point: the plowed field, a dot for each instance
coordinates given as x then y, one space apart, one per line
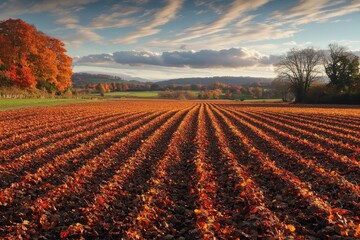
180 170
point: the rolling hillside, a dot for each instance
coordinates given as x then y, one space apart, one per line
210 80
80 80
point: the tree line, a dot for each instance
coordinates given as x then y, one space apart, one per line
300 72
215 90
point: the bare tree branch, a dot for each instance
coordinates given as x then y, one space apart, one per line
300 67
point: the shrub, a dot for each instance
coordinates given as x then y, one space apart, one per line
325 94
176 94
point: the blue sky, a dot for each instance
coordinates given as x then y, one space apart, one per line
161 39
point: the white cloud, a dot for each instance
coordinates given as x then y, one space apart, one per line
102 22
234 12
246 33
290 43
308 11
67 21
80 36
226 58
161 17
115 17
214 5
304 8
138 2
11 8
341 20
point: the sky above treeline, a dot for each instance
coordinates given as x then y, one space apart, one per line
162 39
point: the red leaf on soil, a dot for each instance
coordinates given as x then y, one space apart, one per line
64 234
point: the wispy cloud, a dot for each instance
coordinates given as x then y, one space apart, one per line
60 7
137 2
243 33
11 8
214 5
308 11
251 32
68 21
161 17
77 38
234 12
304 8
115 17
238 25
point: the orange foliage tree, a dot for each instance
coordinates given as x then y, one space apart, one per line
30 58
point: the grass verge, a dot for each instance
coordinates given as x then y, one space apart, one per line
9 104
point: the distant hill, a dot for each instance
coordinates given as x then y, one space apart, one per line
210 80
80 80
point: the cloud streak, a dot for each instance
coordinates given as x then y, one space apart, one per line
13 8
236 27
308 11
77 39
242 33
161 17
234 12
115 17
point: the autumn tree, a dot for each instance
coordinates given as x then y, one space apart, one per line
195 87
17 43
216 93
20 76
63 64
342 68
125 87
210 94
103 88
281 87
29 58
228 94
122 87
300 68
257 92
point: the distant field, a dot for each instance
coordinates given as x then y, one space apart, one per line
263 100
169 169
154 95
139 94
8 104
145 94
